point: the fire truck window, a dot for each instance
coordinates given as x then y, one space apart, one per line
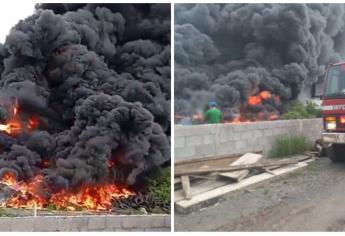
336 80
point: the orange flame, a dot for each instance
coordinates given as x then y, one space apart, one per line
265 95
14 126
257 99
29 195
247 116
33 123
254 100
9 179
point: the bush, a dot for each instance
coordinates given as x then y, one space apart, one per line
289 145
160 186
297 110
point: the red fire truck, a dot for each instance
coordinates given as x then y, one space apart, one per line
333 106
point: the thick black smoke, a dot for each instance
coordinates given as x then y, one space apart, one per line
228 52
97 76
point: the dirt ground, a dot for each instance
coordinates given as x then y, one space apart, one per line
309 199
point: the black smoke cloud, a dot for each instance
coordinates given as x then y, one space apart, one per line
98 78
228 52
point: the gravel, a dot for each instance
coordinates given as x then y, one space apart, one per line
309 199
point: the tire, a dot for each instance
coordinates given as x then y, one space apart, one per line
336 152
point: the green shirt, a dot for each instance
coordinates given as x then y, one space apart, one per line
213 116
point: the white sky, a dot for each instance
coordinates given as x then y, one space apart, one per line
10 13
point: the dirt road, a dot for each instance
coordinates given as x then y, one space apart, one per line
310 199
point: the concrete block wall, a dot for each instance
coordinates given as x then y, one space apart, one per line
196 141
95 223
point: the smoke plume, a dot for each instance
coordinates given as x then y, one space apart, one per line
229 52
97 77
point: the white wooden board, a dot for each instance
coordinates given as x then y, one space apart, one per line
246 159
236 186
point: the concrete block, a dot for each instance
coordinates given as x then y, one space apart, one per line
267 132
239 127
96 223
205 129
223 136
135 222
22 224
194 140
257 134
183 130
254 145
226 148
5 224
181 153
77 223
46 224
179 142
65 223
246 134
253 126
264 124
276 132
241 144
204 150
158 222
209 139
167 222
188 130
157 230
113 222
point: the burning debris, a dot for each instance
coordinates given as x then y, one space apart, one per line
252 59
84 104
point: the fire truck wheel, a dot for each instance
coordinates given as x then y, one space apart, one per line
336 152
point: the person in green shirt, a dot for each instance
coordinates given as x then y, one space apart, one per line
213 115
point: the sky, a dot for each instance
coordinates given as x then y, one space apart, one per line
11 14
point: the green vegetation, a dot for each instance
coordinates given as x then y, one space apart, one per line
160 186
289 145
298 110
4 213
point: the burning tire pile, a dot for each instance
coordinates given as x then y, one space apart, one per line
84 105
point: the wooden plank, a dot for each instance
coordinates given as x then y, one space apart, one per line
205 170
236 186
186 186
177 180
248 158
206 159
200 188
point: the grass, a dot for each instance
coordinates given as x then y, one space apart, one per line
298 110
160 187
289 145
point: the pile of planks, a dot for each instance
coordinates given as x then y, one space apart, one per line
202 179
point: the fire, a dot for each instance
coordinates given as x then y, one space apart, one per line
199 116
33 123
98 197
246 115
9 179
257 99
14 125
254 100
30 194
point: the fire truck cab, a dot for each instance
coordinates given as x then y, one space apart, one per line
333 106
